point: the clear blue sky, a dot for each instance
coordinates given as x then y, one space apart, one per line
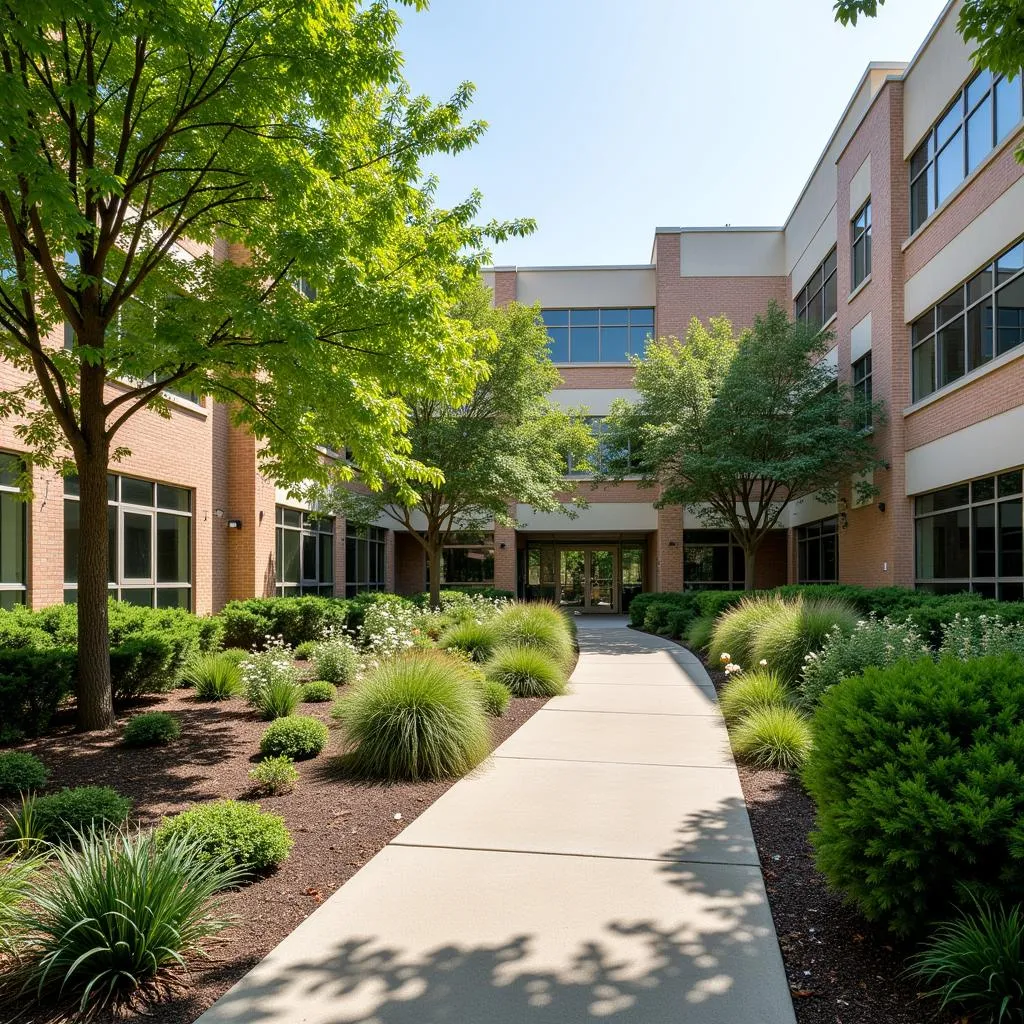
610 118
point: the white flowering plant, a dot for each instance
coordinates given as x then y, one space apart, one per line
391 627
261 670
336 658
969 637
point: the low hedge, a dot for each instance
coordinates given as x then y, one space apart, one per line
297 620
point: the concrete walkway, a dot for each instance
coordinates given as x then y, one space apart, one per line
600 867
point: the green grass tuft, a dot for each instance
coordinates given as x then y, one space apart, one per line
527 672
214 676
476 639
699 633
796 629
747 692
539 625
495 697
773 737
736 630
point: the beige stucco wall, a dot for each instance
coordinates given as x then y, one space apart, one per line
734 252
585 286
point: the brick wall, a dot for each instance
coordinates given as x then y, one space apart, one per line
669 547
771 563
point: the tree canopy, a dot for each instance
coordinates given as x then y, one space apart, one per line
737 428
505 443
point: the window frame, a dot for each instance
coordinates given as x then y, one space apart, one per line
374 541
311 525
860 235
736 559
637 318
805 298
14 462
808 534
860 376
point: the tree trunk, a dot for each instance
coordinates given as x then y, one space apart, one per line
749 563
434 556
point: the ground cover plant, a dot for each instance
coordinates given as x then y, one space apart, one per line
296 736
275 775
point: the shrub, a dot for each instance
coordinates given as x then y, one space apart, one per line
61 817
747 692
495 697
21 773
538 625
918 777
317 692
392 627
794 631
966 638
19 630
32 685
526 672
142 664
777 736
270 680
295 620
699 633
477 639
275 775
237 833
304 651
214 676
336 660
873 642
235 655
116 916
414 717
736 630
976 963
641 602
296 736
151 729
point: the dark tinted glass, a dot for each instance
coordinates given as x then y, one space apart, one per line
1010 316
173 548
1009 483
173 497
949 169
137 531
558 344
919 160
924 370
985 540
1008 106
614 344
979 285
1011 555
950 306
950 497
951 352
136 492
984 489
943 545
979 335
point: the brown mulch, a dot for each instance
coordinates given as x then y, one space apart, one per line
338 824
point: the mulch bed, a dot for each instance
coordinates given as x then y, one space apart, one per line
841 968
338 824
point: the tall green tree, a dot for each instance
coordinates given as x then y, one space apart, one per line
135 134
738 428
504 443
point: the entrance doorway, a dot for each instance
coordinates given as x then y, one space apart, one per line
587 578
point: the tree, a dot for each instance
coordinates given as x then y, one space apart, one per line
129 127
740 428
505 442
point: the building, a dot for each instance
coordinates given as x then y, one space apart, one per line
906 242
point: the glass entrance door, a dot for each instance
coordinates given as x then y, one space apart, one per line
588 579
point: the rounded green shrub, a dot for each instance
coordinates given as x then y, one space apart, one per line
526 672
539 625
304 651
117 918
236 654
214 676
231 831
296 736
151 729
776 737
61 817
21 773
918 776
746 692
737 628
794 631
275 775
318 691
495 697
476 639
415 716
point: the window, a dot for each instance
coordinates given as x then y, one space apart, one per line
597 335
861 372
304 288
984 112
13 533
364 559
968 537
149 533
599 458
467 560
816 302
712 560
861 244
304 552
981 319
817 546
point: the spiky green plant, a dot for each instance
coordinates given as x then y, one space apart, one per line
278 698
526 671
495 697
747 692
214 676
737 628
540 625
699 633
797 629
477 639
17 880
773 737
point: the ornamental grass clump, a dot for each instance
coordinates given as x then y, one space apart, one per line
270 679
296 736
918 775
495 697
526 672
776 736
539 625
214 676
746 692
111 927
21 772
699 633
151 729
476 639
736 629
417 716
17 883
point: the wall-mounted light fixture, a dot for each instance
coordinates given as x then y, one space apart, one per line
502 545
234 524
842 504
671 543
881 506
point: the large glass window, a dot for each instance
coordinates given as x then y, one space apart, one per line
304 553
984 112
599 458
467 560
981 319
816 302
712 560
860 241
13 533
861 373
598 335
364 559
149 536
817 546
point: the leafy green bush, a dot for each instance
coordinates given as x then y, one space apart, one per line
526 672
746 692
318 691
230 831
32 685
296 620
454 598
777 736
19 630
21 772
414 717
275 775
699 633
151 729
975 963
539 625
979 637
336 660
142 664
873 642
495 697
918 776
117 916
736 629
304 651
60 817
641 602
296 736
214 676
477 639
235 654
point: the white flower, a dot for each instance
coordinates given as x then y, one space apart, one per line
763 662
725 657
